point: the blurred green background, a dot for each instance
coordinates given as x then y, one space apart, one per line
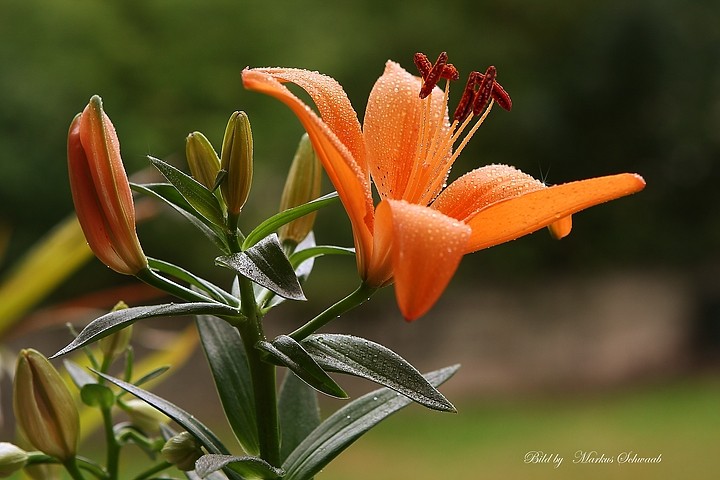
621 319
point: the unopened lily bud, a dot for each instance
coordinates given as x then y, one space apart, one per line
182 450
12 459
202 159
114 345
101 192
561 228
237 160
144 416
44 409
301 186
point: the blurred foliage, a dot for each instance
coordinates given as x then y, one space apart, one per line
598 88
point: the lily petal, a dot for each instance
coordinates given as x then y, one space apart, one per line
520 215
426 250
332 103
346 175
399 128
482 187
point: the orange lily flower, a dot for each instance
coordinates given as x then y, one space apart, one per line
101 192
420 230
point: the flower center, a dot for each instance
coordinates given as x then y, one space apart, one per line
435 142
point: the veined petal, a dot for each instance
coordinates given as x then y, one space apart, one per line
482 187
349 179
332 103
426 250
507 220
399 129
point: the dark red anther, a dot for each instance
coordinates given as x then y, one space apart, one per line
423 64
432 78
464 107
450 72
482 96
501 97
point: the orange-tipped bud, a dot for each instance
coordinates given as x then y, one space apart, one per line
302 185
44 409
101 192
236 159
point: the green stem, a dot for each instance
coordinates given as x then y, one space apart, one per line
72 467
92 467
113 448
358 297
152 471
263 376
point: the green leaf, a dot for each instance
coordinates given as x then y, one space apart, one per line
230 370
346 425
299 256
248 467
370 360
286 351
278 220
203 434
298 411
96 395
170 195
201 199
201 284
114 321
266 264
79 375
155 372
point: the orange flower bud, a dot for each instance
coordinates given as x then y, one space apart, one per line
44 409
101 192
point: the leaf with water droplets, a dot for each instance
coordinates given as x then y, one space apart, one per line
346 425
370 360
265 264
285 351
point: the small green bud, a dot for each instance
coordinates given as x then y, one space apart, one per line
237 160
12 459
202 159
301 186
44 409
144 416
115 345
182 450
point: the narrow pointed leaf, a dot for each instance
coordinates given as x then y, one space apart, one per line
346 425
370 360
299 256
302 272
229 367
202 433
286 351
79 375
201 284
298 411
278 220
266 264
201 199
154 373
250 467
170 195
114 321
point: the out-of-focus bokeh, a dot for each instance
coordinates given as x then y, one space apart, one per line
608 340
